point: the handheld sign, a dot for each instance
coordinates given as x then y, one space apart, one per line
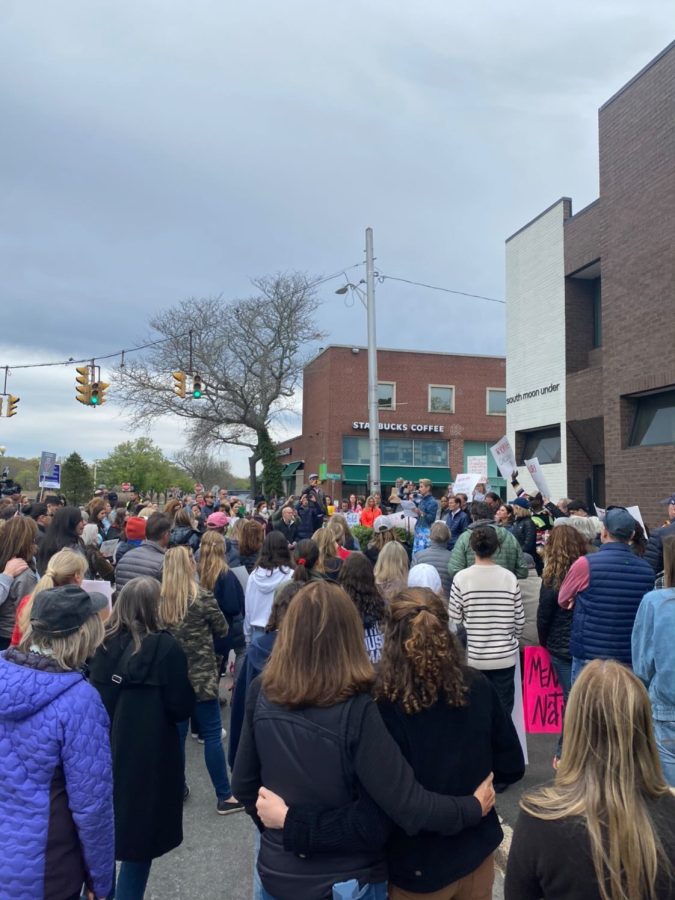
466 483
505 458
543 702
537 475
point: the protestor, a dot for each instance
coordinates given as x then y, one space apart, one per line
348 543
354 505
504 517
485 598
13 568
391 570
305 558
257 655
184 532
311 712
274 567
653 655
18 541
141 674
605 828
119 517
654 551
605 590
64 532
192 615
133 535
437 554
99 566
358 581
494 501
457 520
171 507
97 514
524 530
427 507
383 534
208 507
40 514
65 567
638 543
56 811
215 576
251 539
508 554
329 562
370 512
148 558
233 538
584 525
288 525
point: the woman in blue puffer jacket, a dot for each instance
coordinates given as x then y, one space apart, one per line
56 812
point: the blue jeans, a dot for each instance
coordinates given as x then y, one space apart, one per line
577 665
131 882
664 733
207 715
350 890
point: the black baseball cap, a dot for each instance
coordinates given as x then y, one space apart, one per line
60 611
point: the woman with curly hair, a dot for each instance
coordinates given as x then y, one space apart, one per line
357 579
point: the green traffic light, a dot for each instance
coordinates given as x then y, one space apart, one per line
94 401
196 394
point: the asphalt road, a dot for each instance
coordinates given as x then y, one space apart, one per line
215 861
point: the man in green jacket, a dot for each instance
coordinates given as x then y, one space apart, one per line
509 555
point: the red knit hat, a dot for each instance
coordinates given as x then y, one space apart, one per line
135 528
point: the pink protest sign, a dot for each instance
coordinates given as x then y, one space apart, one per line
542 693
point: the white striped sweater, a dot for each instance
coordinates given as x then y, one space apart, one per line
487 601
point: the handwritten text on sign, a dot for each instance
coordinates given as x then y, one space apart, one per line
542 693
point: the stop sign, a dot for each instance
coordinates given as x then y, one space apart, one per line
126 486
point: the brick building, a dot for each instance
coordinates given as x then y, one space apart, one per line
594 292
437 411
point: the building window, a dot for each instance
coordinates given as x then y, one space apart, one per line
431 453
356 451
396 452
441 398
544 443
386 394
496 402
654 421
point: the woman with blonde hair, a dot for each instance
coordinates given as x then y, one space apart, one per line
377 542
56 805
215 576
192 615
370 512
609 810
391 570
329 561
171 507
65 567
19 541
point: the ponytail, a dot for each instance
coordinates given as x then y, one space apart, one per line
306 556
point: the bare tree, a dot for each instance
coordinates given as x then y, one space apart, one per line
204 466
250 354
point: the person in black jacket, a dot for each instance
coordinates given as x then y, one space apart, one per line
314 729
524 530
310 516
141 674
184 531
455 709
288 525
215 576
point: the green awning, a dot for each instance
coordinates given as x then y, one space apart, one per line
389 474
291 468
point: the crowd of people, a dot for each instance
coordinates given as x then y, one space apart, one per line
373 683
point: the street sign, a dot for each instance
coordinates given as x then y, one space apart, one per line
53 480
332 476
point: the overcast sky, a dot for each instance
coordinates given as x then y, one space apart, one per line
156 150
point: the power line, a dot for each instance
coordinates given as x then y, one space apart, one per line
126 350
434 287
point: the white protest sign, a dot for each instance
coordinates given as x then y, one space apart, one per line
477 465
518 714
352 518
108 548
505 458
537 475
636 514
100 587
600 513
466 483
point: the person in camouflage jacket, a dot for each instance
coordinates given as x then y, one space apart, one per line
509 555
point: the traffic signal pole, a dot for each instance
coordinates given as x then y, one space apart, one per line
373 408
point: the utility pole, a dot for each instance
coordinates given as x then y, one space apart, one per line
373 408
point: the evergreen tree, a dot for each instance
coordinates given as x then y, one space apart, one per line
77 480
271 474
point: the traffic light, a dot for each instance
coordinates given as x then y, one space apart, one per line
180 386
83 387
197 387
11 405
98 390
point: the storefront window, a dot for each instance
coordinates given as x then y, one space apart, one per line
356 451
431 453
496 402
386 394
396 452
441 398
654 421
544 444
